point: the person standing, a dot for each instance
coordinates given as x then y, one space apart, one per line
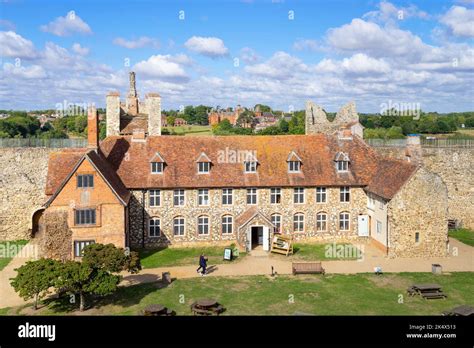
201 262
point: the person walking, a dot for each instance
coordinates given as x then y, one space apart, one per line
201 262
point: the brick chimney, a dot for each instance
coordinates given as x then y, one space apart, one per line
92 128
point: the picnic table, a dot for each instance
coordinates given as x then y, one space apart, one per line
463 310
427 291
206 307
157 310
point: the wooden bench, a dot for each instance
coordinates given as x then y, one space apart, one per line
307 268
432 295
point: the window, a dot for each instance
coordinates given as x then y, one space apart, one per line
275 195
252 196
298 195
417 237
276 220
203 197
156 167
203 167
381 204
370 202
80 245
155 198
227 196
294 166
345 195
321 222
342 166
250 166
226 224
178 198
298 222
154 227
84 217
85 181
203 225
178 226
379 227
321 195
344 221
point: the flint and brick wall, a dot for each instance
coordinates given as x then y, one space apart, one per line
191 211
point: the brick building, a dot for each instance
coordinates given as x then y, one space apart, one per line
143 190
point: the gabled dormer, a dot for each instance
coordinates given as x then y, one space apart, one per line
342 162
157 164
294 162
203 164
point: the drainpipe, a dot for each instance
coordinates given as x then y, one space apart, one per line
143 219
387 226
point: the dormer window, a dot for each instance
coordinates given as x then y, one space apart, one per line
157 164
203 167
203 164
294 163
342 162
251 166
156 167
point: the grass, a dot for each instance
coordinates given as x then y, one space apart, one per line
317 252
463 235
181 256
6 250
190 130
359 294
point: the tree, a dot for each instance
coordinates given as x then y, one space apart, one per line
170 120
94 275
284 126
246 118
35 278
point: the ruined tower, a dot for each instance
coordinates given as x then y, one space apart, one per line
316 120
132 98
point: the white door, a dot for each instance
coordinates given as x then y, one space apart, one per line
266 238
363 224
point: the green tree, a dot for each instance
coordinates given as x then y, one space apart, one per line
35 278
284 126
95 274
246 118
170 120
80 123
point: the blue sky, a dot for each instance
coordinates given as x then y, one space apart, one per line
239 52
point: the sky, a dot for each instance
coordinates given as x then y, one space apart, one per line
227 53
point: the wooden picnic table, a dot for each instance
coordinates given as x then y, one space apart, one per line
206 303
426 287
154 309
427 291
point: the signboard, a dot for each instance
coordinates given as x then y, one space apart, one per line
228 254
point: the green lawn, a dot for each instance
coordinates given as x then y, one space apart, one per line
361 294
320 252
463 235
6 249
182 256
190 130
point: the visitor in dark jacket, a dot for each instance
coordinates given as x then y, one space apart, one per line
202 265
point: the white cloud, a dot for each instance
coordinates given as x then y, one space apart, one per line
142 41
67 25
163 67
388 12
82 51
15 46
249 56
377 41
30 72
459 20
207 46
281 66
306 44
358 64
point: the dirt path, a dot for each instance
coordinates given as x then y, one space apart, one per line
261 264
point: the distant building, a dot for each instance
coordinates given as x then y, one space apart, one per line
218 116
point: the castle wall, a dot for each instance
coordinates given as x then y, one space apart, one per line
22 183
456 167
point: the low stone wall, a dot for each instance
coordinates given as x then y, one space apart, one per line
456 167
22 182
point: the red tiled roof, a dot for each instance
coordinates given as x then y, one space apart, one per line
131 162
316 152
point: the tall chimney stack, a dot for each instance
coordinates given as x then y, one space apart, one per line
113 113
153 106
92 128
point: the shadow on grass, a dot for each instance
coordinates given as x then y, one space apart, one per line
125 296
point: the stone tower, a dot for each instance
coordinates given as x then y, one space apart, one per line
132 97
113 113
316 120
